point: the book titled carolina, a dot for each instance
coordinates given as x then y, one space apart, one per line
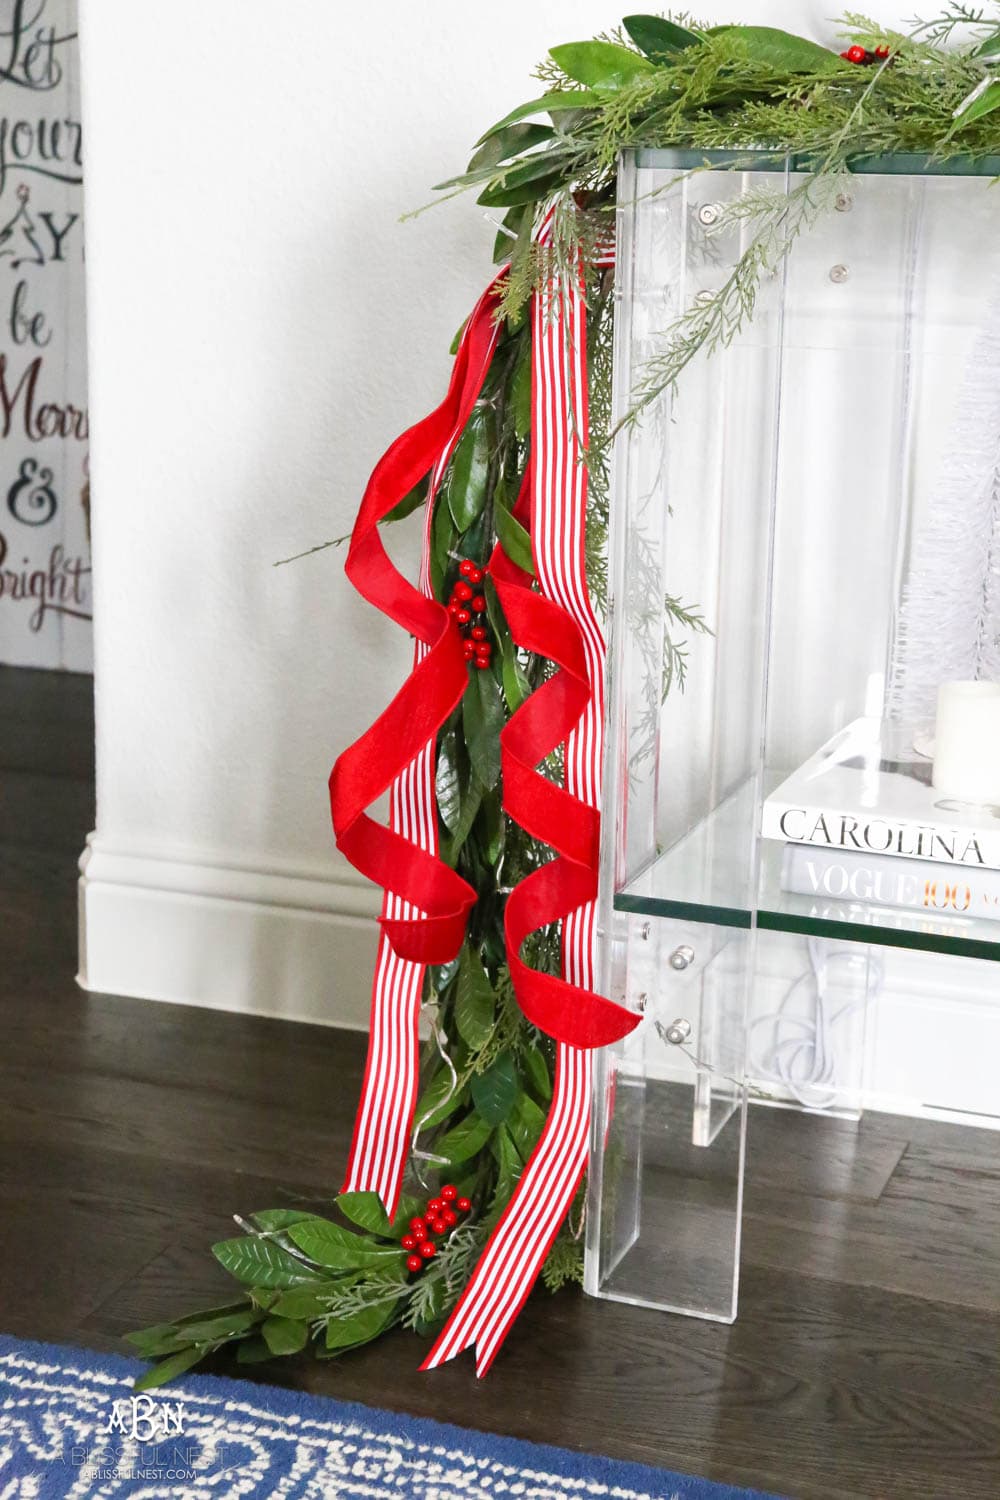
880 880
855 796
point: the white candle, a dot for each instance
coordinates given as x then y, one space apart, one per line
967 742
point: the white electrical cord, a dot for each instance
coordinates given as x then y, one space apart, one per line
802 1052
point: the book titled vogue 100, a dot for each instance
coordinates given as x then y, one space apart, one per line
877 880
850 797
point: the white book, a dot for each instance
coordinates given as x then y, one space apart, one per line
880 880
854 797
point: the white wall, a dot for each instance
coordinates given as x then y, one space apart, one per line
262 325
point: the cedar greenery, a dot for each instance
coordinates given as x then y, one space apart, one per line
335 1283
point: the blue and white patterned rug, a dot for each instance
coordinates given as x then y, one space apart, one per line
70 1429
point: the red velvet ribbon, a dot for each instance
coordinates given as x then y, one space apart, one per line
435 687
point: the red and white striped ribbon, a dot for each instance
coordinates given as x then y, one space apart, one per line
517 1248
384 1121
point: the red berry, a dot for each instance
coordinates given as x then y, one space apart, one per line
881 52
453 610
409 1242
482 663
479 604
438 1226
433 1207
428 1249
468 650
450 1217
418 1229
463 617
855 54
467 566
463 1205
413 1262
417 1223
449 1193
461 591
475 575
478 632
482 657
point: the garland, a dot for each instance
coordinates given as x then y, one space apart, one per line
455 1199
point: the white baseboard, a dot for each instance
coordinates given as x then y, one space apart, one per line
170 926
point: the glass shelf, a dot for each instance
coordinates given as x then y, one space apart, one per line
704 878
908 164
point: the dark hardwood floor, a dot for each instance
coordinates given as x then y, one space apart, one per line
864 1364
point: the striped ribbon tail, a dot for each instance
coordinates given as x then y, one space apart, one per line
521 1241
384 1121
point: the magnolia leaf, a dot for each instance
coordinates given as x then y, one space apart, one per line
161 1338
983 104
215 1330
410 1206
284 1335
599 65
549 104
492 827
280 1218
447 783
439 1100
514 539
475 1002
472 796
348 1333
253 1352
465 1141
338 1249
483 718
520 392
660 40
494 1092
514 221
537 1070
311 1300
508 1162
365 1210
469 472
442 538
525 1125
261 1262
169 1368
782 50
409 503
510 141
516 687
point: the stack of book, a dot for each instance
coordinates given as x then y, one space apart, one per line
861 827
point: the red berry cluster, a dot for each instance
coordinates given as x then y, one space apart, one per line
467 608
440 1216
858 54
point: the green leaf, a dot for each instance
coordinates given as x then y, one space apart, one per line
253 1352
530 180
475 1002
510 141
469 471
433 1309
438 1101
782 50
516 687
520 391
483 718
985 104
338 1249
472 796
660 40
217 1330
516 220
442 540
348 1333
525 1125
495 1091
447 783
365 1210
491 828
169 1369
409 503
161 1338
464 1141
537 1070
409 1207
311 1300
515 540
280 1218
549 104
285 1335
261 1263
599 65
